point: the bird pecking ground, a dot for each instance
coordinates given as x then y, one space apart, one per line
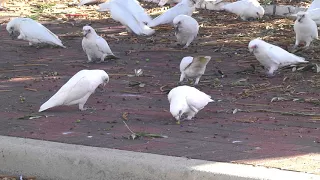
271 122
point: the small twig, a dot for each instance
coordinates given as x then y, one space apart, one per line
14 70
119 74
20 65
5 90
30 89
281 112
128 127
131 92
263 89
251 104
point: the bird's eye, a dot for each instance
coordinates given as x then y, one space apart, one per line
11 28
89 30
302 15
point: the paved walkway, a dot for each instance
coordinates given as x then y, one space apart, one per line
29 76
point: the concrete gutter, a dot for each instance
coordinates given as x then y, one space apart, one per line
58 161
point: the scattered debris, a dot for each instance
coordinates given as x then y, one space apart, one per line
136 135
33 116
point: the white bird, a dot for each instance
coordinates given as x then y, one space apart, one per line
186 29
78 89
95 46
272 57
32 31
186 7
130 14
186 100
246 9
193 67
305 28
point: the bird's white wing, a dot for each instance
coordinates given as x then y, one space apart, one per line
185 62
103 46
83 43
138 12
36 32
197 100
121 13
178 92
237 7
74 89
282 57
315 15
170 14
314 5
189 25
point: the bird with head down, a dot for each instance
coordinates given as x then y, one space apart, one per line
32 31
78 89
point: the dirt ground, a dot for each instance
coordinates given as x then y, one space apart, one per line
242 126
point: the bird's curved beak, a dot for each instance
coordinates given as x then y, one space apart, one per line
299 19
252 48
259 16
12 35
105 82
176 27
85 33
180 115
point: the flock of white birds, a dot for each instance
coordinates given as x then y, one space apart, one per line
184 100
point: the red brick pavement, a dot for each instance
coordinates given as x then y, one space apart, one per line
255 137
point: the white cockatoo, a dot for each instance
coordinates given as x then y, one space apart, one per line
186 7
246 9
193 67
186 100
130 14
78 89
32 31
272 57
305 28
186 29
95 46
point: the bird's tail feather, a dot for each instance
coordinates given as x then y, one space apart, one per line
146 30
49 104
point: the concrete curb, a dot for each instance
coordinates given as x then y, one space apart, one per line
58 161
